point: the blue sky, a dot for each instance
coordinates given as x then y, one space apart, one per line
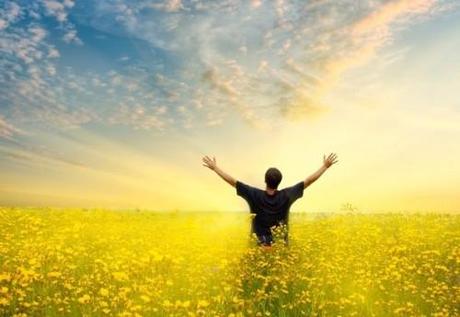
169 81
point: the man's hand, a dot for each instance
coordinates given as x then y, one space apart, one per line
212 164
331 159
327 162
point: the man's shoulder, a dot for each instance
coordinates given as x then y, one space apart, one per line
296 185
247 191
243 184
257 190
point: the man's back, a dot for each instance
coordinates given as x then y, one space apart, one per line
270 210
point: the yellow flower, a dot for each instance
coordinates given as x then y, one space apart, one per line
84 299
54 274
203 303
104 292
120 276
5 277
145 298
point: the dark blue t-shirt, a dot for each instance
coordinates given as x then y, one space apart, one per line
270 210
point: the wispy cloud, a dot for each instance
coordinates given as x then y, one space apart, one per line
138 117
32 155
9 14
291 52
7 130
371 32
263 60
58 9
168 6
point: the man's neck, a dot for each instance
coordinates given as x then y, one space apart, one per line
270 191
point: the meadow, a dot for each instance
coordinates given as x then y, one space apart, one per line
140 263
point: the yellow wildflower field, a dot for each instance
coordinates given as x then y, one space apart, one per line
139 263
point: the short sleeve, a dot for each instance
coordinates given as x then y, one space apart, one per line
295 192
243 190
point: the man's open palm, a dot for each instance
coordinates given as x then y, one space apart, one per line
209 163
331 159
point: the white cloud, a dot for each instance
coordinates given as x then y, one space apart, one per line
56 9
280 57
9 15
69 3
13 12
30 154
256 3
224 86
168 5
7 130
31 87
51 70
161 110
138 117
71 37
53 53
281 50
38 34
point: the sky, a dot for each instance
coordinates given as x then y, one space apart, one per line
112 104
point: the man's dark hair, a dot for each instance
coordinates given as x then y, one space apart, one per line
273 177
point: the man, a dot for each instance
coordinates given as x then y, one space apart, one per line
271 205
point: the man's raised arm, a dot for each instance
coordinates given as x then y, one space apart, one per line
211 164
327 162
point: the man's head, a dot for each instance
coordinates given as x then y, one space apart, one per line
273 177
